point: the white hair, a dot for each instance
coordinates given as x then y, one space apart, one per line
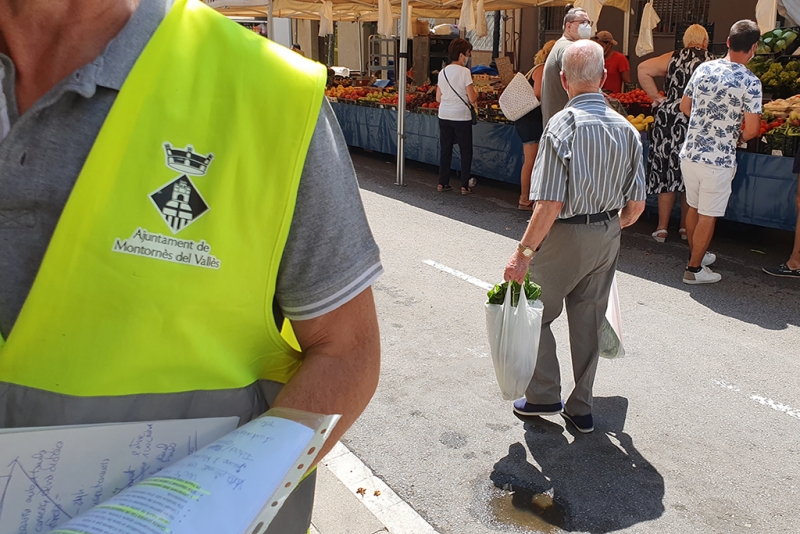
583 63
572 15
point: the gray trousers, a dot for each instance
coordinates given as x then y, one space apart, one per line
576 265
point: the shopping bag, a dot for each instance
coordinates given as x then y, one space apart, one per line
514 333
518 98
650 20
611 329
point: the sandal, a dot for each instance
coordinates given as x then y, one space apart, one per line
682 231
466 191
660 235
525 206
442 188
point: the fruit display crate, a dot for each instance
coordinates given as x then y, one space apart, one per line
778 145
768 41
639 109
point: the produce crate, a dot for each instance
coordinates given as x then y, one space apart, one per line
790 49
639 109
779 145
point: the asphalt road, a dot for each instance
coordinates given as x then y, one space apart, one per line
696 429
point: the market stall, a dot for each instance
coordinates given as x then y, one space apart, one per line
763 190
362 10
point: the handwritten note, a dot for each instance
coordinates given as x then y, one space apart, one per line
219 488
48 477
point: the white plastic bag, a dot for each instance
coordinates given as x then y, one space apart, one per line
514 339
611 330
650 20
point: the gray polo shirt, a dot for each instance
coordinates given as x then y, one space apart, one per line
554 97
330 256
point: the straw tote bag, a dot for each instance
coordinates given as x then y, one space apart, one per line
518 98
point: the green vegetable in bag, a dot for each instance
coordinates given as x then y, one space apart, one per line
497 294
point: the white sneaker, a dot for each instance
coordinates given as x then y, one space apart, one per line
473 182
705 276
708 259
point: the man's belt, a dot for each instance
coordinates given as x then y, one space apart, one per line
589 219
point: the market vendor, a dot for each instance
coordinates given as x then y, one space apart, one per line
617 65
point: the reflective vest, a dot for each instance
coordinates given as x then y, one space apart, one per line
161 273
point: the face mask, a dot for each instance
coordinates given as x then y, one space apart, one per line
468 62
585 30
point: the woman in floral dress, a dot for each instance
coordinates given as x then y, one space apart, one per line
669 129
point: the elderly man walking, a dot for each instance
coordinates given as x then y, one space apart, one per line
589 184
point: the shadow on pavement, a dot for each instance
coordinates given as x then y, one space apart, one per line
745 292
600 480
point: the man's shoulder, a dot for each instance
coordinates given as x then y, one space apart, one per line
749 77
579 113
558 49
708 67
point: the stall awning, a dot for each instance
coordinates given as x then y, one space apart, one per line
367 10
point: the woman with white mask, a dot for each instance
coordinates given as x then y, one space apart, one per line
576 26
457 98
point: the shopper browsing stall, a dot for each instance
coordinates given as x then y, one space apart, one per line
664 176
457 98
723 102
529 128
791 269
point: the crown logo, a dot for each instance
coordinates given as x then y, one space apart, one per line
186 160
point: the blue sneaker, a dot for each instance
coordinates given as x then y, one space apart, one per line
523 407
584 423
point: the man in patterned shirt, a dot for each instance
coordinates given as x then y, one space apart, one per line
723 102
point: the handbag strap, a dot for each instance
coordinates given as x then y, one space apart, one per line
451 87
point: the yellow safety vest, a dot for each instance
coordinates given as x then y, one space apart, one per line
161 273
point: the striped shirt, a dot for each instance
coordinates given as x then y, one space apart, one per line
590 158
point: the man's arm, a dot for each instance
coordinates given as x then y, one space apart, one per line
752 126
686 106
752 110
341 364
631 212
624 69
544 215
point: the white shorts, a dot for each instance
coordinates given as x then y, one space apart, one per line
708 188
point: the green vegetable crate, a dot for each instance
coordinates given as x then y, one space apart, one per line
780 41
779 145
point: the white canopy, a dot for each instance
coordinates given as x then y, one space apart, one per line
367 10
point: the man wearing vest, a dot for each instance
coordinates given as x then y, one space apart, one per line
173 191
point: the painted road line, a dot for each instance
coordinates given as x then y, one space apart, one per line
396 515
762 400
458 274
